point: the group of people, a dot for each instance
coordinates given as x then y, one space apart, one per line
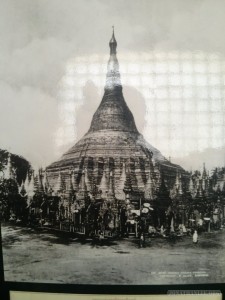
142 239
181 231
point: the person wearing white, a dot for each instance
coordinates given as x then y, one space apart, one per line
195 237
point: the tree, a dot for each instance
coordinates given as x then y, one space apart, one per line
20 164
10 200
161 204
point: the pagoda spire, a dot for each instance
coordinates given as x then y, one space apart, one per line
204 178
191 187
177 181
128 183
87 181
59 185
180 190
40 181
82 184
111 194
70 185
113 43
103 185
113 74
74 181
113 112
119 193
45 182
31 188
204 174
149 186
177 188
82 190
138 174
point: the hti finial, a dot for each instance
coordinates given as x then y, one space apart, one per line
113 43
113 32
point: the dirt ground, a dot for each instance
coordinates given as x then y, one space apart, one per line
39 256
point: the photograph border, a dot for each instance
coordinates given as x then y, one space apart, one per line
113 289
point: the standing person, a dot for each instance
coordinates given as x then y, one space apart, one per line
195 237
142 240
101 238
184 229
162 230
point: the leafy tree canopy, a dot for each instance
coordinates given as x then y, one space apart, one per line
20 164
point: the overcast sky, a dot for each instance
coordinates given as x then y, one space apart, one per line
52 64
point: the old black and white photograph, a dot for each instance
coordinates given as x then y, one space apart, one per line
112 141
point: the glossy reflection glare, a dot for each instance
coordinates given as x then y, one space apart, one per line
182 92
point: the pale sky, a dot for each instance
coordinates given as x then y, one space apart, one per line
172 61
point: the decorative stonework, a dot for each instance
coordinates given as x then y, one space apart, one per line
112 155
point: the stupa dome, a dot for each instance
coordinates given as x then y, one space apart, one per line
112 141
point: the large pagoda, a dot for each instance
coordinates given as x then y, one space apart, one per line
112 158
